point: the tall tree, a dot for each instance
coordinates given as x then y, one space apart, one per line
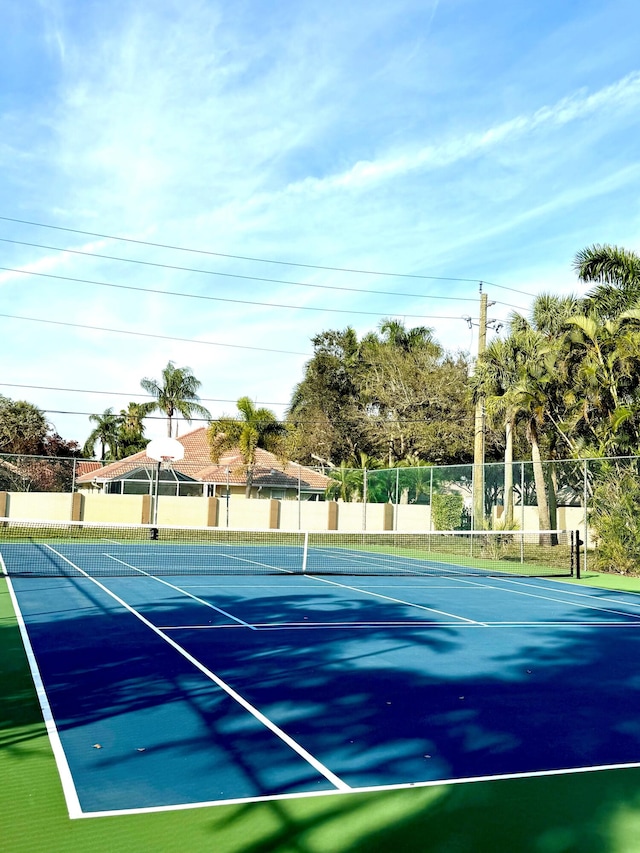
519 379
105 433
326 413
602 376
496 375
255 427
23 427
131 438
26 439
616 272
177 391
394 376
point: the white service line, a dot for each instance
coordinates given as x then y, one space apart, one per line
397 600
266 722
271 568
571 591
546 597
183 591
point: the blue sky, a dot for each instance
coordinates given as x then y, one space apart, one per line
456 139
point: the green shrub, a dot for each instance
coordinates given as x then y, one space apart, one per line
615 518
446 512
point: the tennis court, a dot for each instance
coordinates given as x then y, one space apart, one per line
179 669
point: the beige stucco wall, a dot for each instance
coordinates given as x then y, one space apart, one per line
116 509
358 516
412 518
312 515
187 512
42 505
246 514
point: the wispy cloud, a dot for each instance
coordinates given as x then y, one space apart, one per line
622 95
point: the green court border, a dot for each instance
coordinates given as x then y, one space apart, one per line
595 812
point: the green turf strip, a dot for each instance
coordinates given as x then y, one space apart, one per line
586 813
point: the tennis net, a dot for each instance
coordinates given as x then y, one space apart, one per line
76 549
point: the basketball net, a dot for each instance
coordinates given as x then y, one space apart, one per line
166 463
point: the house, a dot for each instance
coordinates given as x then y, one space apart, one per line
196 475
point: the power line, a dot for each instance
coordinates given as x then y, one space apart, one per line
150 335
125 394
251 259
235 257
223 299
178 268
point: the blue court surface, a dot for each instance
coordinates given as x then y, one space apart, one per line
176 691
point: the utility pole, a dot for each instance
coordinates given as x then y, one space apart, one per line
477 522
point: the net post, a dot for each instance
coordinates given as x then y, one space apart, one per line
305 552
572 552
579 542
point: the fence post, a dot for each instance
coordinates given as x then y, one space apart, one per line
396 508
586 520
364 499
430 501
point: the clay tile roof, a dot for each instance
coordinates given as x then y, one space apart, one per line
197 464
83 466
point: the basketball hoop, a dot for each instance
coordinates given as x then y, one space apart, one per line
165 450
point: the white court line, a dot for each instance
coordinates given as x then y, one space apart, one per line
370 789
66 779
183 591
266 722
579 594
262 565
294 626
395 600
485 585
275 570
424 566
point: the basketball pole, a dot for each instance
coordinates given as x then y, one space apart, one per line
157 494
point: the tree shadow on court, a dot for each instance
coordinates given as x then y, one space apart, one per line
396 703
574 813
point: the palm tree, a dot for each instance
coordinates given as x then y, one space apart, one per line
497 373
176 392
396 334
346 483
616 272
518 378
131 438
107 426
254 428
602 366
530 400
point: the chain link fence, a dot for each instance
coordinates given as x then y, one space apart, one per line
568 482
600 498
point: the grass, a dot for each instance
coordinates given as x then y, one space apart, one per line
596 812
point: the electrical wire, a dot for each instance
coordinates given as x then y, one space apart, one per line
159 292
125 394
151 335
252 259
